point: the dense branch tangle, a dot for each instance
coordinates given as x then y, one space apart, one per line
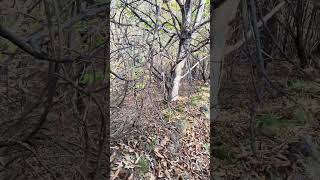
55 77
160 37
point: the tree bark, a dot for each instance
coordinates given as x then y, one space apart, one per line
220 18
184 46
300 36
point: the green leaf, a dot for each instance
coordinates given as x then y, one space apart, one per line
143 165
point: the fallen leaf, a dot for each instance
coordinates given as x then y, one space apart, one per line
166 172
130 177
128 157
150 176
160 174
158 154
112 157
164 141
115 175
120 165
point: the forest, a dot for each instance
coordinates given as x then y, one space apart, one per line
160 89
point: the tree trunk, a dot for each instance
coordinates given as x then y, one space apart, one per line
177 80
220 18
301 52
184 46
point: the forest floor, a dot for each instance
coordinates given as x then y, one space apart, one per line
287 138
177 146
287 131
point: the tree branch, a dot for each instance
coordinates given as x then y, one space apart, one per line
7 34
238 44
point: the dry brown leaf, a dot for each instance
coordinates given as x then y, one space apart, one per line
133 143
130 149
128 157
137 160
158 154
130 177
150 176
128 162
160 174
128 165
177 171
112 157
123 174
164 164
164 141
220 173
166 172
120 165
282 157
281 163
115 175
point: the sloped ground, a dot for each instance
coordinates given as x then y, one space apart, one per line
285 149
175 147
287 134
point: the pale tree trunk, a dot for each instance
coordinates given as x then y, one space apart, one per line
184 48
220 18
177 80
